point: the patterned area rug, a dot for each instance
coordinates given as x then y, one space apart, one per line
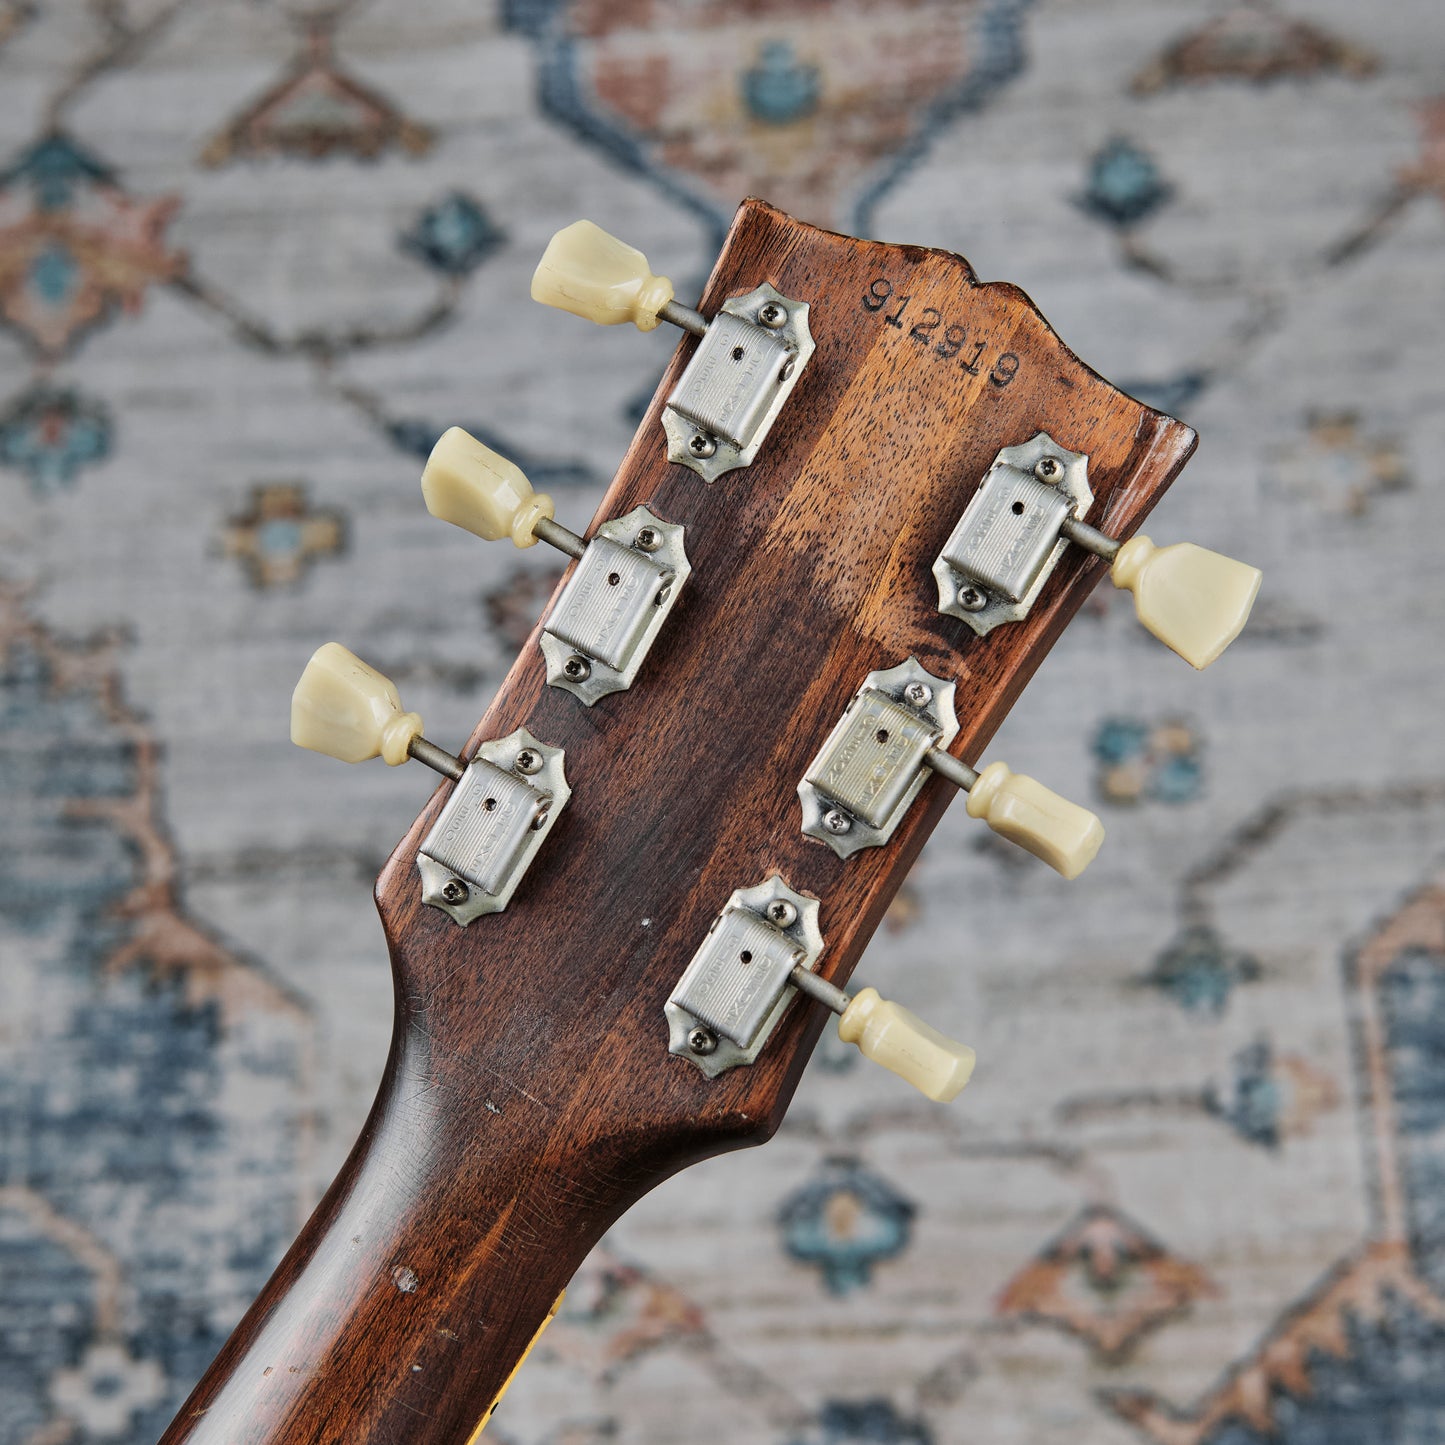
254 256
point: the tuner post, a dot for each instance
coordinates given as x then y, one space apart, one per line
683 317
345 708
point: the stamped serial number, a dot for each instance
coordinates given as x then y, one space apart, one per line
953 343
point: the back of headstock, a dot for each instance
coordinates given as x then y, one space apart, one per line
531 1095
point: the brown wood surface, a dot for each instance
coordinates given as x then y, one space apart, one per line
529 1097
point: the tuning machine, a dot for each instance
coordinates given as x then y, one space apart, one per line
749 357
1030 506
506 800
760 951
626 582
893 734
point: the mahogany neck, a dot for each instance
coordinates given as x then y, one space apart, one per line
530 1096
416 1286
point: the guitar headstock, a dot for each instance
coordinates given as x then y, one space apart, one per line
618 929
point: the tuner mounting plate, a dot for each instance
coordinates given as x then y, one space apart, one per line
744 369
730 997
614 604
491 827
1006 543
870 769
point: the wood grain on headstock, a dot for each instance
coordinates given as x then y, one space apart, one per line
529 1097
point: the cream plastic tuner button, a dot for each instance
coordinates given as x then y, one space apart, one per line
348 710
1038 820
1193 600
889 1035
1025 812
469 485
900 1041
592 274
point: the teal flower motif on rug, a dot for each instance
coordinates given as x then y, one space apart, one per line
1124 185
1199 971
75 247
866 1422
51 433
845 1221
454 236
778 90
1155 762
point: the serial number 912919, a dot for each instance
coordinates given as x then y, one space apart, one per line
952 342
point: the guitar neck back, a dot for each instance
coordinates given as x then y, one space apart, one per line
530 1096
